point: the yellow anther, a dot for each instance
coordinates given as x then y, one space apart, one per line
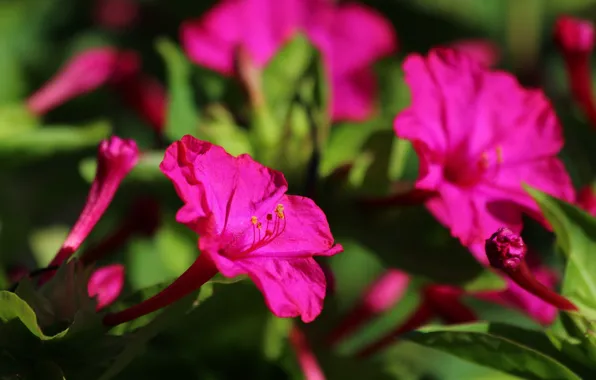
279 210
499 152
254 220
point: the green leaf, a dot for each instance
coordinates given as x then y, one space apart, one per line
481 344
576 236
146 170
13 307
50 140
182 117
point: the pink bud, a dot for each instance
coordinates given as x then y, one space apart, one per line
505 249
84 73
106 284
115 159
574 35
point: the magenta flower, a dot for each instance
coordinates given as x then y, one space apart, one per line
575 39
82 74
350 36
106 284
470 128
115 159
247 226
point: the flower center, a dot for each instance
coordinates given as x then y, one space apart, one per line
275 225
464 172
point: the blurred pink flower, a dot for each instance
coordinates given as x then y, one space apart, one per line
471 128
379 297
247 226
83 73
97 67
106 284
351 37
575 39
115 159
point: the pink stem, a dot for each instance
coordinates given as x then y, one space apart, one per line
201 271
306 358
524 278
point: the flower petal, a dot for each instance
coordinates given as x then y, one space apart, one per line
358 47
220 191
292 287
305 231
353 95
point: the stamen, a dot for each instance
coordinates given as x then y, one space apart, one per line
279 210
271 231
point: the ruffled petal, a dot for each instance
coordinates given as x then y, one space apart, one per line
220 191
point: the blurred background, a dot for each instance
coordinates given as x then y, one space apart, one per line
47 164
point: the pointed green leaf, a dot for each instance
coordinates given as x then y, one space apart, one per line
481 344
576 236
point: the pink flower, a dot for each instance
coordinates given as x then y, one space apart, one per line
575 39
380 296
115 159
350 36
247 225
82 74
471 128
106 284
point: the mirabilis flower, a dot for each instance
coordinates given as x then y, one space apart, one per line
479 135
247 226
350 36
